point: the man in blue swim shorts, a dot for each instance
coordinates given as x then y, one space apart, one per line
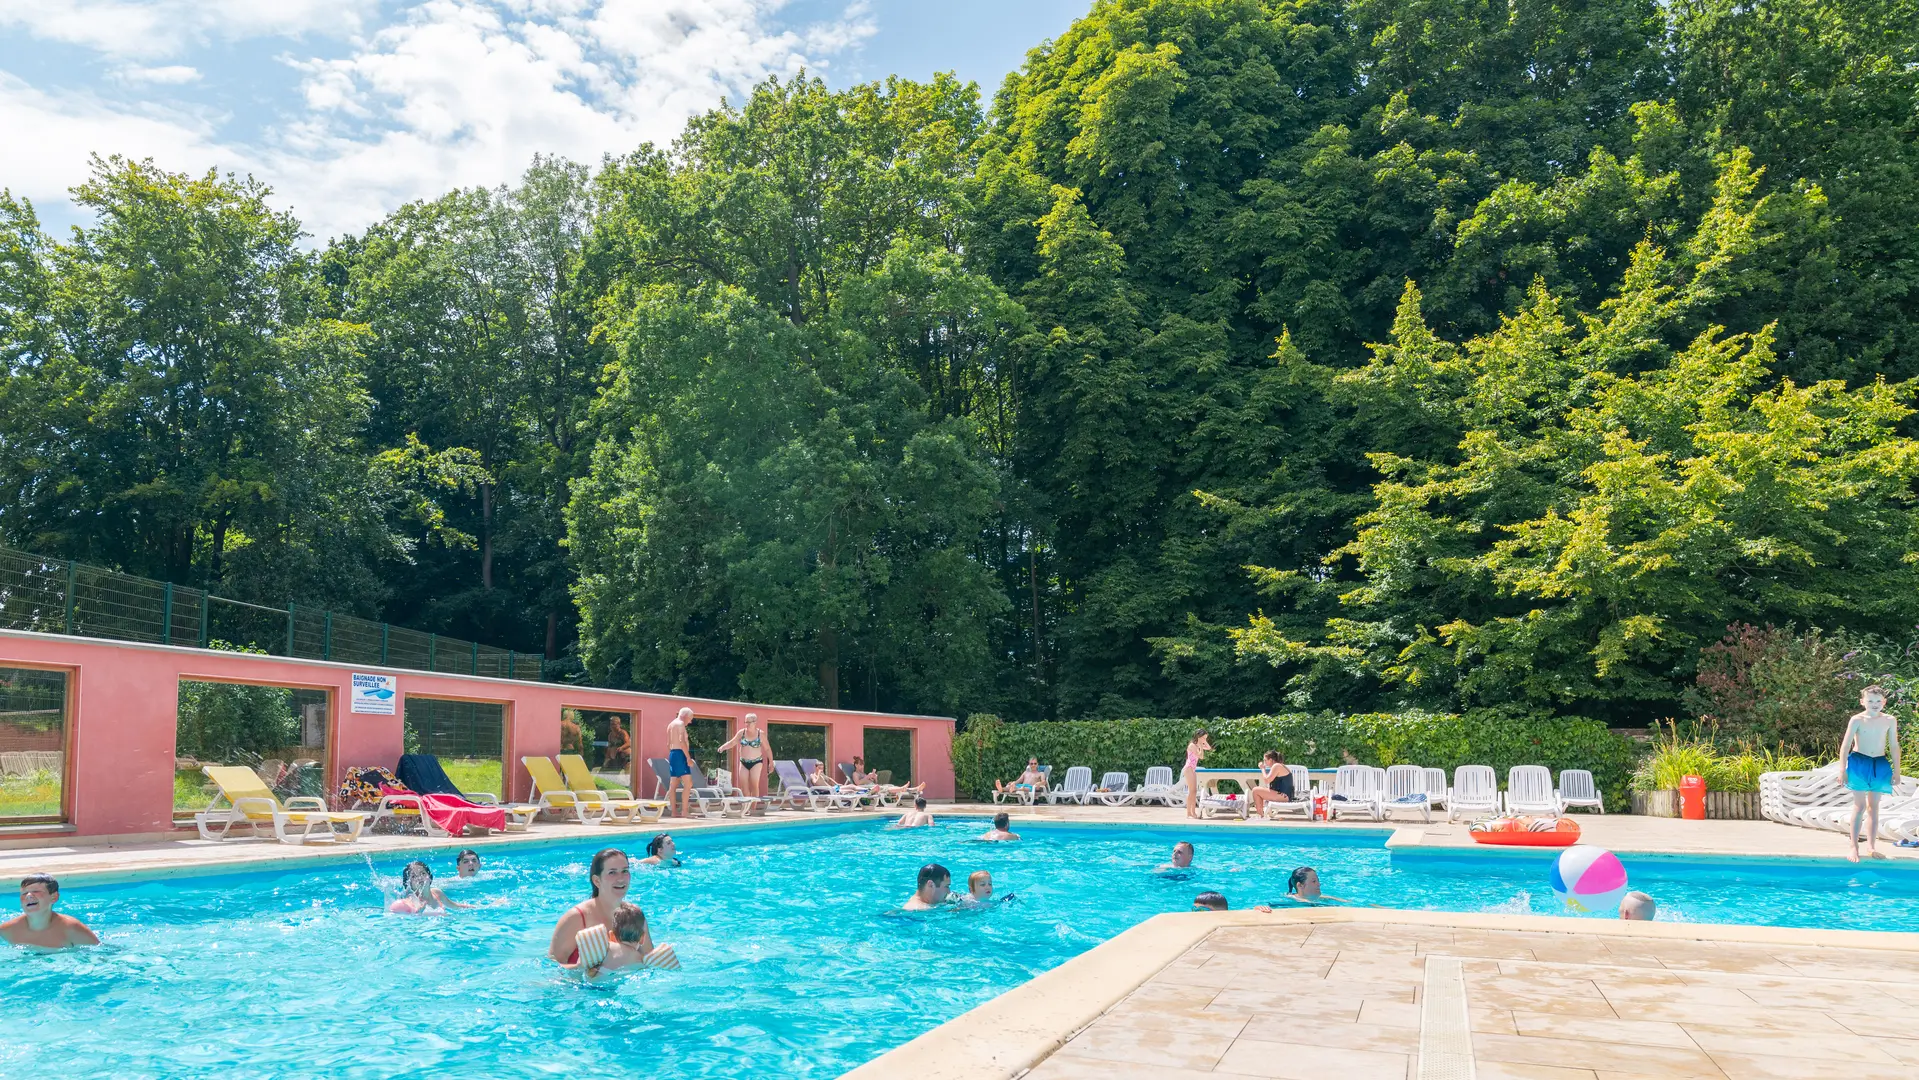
679 767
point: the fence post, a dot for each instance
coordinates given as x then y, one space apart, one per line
166 617
204 597
432 647
511 656
73 572
384 627
326 642
476 658
289 628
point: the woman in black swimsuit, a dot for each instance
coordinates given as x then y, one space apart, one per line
1275 783
750 760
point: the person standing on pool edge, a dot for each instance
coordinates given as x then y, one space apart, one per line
750 754
1198 748
679 766
1870 749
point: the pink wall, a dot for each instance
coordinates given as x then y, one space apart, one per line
121 704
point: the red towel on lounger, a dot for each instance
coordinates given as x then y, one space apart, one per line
454 814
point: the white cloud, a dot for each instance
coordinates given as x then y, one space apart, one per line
63 129
169 75
456 93
156 28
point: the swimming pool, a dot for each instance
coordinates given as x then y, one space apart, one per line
794 968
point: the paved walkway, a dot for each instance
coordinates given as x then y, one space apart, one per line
1348 1002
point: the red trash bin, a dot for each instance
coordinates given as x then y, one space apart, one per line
1692 798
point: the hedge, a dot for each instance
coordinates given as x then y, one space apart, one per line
992 749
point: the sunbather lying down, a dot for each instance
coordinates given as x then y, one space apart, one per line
1030 780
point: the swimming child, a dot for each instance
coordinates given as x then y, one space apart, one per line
421 895
467 864
1212 901
38 924
979 886
1636 906
1000 830
630 946
661 852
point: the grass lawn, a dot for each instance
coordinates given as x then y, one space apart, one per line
474 774
34 795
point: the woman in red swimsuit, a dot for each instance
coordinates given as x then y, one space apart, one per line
610 876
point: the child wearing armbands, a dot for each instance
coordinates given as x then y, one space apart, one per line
628 946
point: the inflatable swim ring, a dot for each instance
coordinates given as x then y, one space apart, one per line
1526 831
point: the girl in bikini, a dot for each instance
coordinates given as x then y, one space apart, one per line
750 741
1195 750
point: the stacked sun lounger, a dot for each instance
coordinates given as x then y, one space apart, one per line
1819 799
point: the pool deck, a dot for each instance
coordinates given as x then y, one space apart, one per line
186 854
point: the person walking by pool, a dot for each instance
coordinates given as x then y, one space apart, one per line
660 851
1195 750
916 818
1870 749
1182 857
421 896
1001 829
38 924
679 767
934 885
1033 780
1636 906
466 864
749 747
1275 783
610 876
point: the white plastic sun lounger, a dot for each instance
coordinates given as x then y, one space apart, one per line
1077 787
1576 788
798 790
1115 789
1406 792
1302 803
1436 788
1529 790
1356 790
1475 791
1158 787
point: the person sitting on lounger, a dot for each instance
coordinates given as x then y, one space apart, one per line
819 778
467 864
1182 857
38 924
1275 783
916 818
661 852
1032 780
1636 906
1000 831
421 895
934 884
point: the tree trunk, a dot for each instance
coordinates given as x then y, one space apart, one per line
552 635
830 667
486 537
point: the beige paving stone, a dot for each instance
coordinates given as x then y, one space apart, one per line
1784 1044
1389 1013
1600 1029
1064 1066
1490 1020
1281 1029
1761 1067
1110 1041
1905 1051
1330 1005
1749 1018
1510 1070
1285 1061
1587 1054
1162 1017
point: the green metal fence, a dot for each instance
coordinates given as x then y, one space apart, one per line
58 596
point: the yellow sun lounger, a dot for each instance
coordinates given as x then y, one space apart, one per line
621 804
251 803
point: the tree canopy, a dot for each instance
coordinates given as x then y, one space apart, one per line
1238 355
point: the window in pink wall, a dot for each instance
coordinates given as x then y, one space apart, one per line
33 744
279 732
890 750
469 738
792 742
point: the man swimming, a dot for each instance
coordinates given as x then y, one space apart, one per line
915 818
1182 857
679 766
38 924
467 864
934 884
660 851
1000 831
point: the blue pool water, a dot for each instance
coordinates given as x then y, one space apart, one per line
794 966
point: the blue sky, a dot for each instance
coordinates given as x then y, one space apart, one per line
349 108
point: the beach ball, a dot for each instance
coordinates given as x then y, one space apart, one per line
1587 878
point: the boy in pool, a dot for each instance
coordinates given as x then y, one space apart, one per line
467 864
630 946
1000 830
1636 906
1212 901
421 894
935 883
915 818
38 924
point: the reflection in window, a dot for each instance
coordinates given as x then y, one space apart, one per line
33 743
890 751
469 738
278 732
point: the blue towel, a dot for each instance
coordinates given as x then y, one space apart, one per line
422 773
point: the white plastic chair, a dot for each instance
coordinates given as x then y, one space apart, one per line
1302 803
1436 788
1356 789
1078 786
1115 789
1406 791
1576 788
1475 791
1158 787
1529 790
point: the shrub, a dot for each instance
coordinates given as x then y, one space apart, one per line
1674 757
991 749
1774 687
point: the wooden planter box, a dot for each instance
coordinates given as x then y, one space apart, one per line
1720 805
